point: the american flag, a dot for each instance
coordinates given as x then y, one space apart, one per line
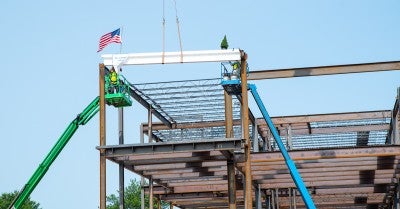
111 37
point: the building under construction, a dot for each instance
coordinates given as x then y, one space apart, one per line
209 151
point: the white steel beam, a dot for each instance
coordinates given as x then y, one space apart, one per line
118 60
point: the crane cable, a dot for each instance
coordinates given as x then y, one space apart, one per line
179 31
163 32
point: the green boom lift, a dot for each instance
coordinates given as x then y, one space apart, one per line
118 98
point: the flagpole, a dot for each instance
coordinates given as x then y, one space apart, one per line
120 47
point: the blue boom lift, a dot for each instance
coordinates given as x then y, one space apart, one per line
230 80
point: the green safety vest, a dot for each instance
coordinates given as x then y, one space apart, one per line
113 78
235 65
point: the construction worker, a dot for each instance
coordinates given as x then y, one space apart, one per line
235 70
113 78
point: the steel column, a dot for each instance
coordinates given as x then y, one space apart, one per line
273 199
151 195
267 201
158 202
267 141
150 122
397 195
397 119
289 142
142 203
102 142
277 197
256 147
231 185
121 165
230 164
258 198
290 198
294 198
228 115
150 134
245 128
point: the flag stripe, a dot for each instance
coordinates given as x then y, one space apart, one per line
112 37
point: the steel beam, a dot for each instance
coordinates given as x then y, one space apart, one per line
102 134
324 70
283 120
328 117
118 60
337 199
331 130
377 151
179 166
351 190
173 147
145 104
166 158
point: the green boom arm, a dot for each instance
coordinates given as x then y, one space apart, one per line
81 119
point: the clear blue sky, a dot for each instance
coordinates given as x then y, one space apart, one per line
50 71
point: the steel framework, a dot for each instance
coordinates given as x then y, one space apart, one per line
203 157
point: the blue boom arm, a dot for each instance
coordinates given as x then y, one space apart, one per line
289 162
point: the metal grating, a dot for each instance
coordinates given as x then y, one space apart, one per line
187 101
345 133
202 101
337 140
197 133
